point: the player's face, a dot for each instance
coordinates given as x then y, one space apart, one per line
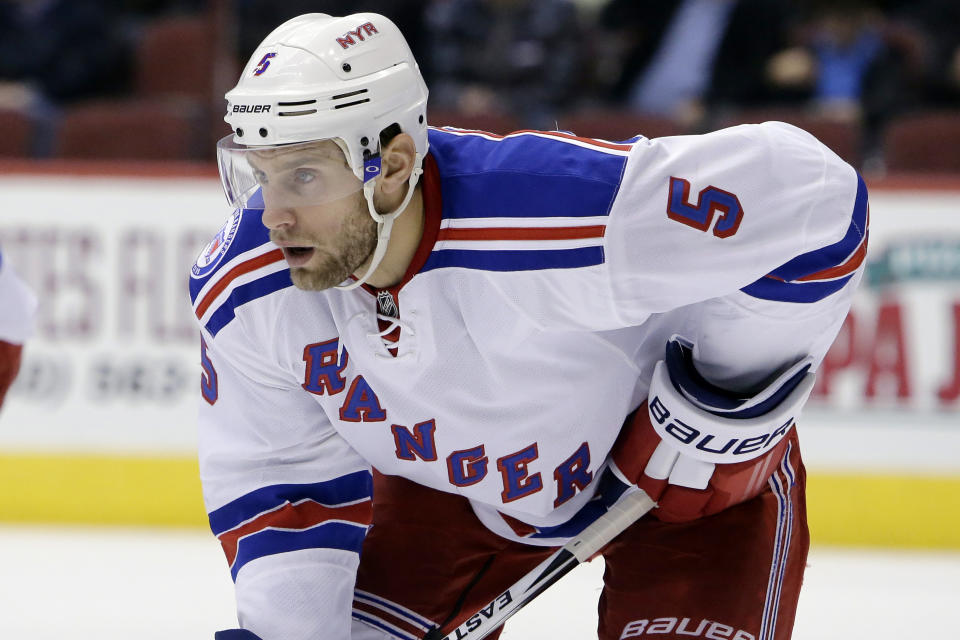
322 243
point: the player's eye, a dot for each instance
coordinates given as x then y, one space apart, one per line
260 177
303 176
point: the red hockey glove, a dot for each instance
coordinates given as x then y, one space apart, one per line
697 449
9 365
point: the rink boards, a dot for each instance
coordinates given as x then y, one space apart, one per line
100 426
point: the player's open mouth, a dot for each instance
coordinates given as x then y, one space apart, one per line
297 256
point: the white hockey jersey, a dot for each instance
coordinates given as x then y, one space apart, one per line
551 272
17 306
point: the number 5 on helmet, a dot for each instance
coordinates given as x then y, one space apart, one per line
698 449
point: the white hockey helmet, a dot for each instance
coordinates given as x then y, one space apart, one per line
323 78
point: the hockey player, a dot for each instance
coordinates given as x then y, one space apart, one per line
432 355
17 306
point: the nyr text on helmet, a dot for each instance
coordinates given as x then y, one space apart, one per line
366 29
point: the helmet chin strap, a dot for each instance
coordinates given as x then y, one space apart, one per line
384 220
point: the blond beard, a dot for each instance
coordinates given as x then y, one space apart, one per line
355 244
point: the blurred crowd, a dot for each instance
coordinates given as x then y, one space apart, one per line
849 70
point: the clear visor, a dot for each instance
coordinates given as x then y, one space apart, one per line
290 175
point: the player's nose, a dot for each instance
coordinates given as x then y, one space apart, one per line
277 217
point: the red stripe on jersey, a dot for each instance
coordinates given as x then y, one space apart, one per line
555 134
848 267
244 267
510 233
387 616
301 516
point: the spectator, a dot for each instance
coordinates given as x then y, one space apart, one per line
939 23
143 9
60 51
680 57
54 52
853 64
518 57
840 44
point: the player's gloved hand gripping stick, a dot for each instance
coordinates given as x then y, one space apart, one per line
632 506
752 427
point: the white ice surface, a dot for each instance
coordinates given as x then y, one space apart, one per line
132 584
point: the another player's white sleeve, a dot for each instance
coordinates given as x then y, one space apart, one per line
288 499
17 306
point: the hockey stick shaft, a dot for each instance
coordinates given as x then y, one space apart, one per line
621 515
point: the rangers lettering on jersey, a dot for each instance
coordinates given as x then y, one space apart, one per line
325 363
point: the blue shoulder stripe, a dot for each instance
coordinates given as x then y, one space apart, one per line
349 488
779 291
784 283
515 260
245 293
523 176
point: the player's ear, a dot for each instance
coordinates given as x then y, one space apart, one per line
397 163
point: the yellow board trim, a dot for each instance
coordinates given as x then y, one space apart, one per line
843 509
101 489
884 510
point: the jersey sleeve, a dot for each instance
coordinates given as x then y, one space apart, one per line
18 305
762 209
287 497
750 243
742 342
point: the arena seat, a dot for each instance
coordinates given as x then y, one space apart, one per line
492 122
176 56
924 142
611 124
845 138
132 129
174 113
17 135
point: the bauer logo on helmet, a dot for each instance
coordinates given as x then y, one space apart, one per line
251 108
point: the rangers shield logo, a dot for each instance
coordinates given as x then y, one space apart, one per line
211 255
